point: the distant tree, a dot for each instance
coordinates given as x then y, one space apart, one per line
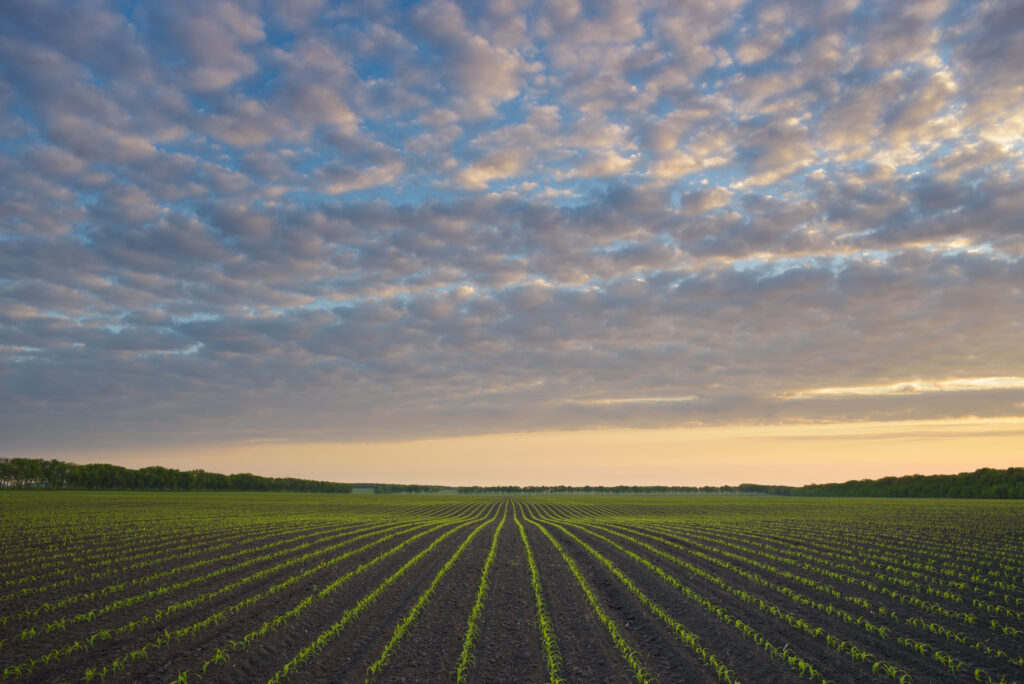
30 472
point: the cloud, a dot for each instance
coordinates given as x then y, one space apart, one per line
502 163
223 220
482 75
341 179
773 150
215 39
917 385
601 165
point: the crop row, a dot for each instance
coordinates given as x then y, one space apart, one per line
652 588
840 642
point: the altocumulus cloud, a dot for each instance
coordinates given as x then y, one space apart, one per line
317 221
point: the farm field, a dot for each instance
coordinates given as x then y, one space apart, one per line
243 587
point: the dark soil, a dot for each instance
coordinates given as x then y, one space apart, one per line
588 654
433 644
106 650
835 666
509 648
669 659
267 655
347 658
81 580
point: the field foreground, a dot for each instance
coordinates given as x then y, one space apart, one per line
162 587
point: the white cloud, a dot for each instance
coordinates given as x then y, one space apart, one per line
340 180
612 401
600 164
501 163
484 75
915 386
352 221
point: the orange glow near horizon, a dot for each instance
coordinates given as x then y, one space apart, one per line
726 455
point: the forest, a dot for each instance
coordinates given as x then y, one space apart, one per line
53 474
984 483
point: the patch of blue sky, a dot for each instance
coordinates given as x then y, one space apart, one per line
771 266
190 350
21 129
730 175
438 214
24 354
197 317
837 262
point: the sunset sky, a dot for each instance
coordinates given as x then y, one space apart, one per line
697 242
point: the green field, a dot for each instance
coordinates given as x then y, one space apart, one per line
193 586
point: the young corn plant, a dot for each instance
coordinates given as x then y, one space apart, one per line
406 625
466 660
310 651
549 642
628 653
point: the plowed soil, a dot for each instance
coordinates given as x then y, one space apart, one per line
508 648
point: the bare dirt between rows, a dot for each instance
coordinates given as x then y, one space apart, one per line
119 574
588 654
858 558
347 658
267 655
980 631
748 661
432 647
509 649
509 646
105 651
834 665
665 657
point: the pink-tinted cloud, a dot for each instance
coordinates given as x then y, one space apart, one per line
222 220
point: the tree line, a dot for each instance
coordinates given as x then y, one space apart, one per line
406 489
985 483
597 489
53 474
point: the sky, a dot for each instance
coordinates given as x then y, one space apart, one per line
634 241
